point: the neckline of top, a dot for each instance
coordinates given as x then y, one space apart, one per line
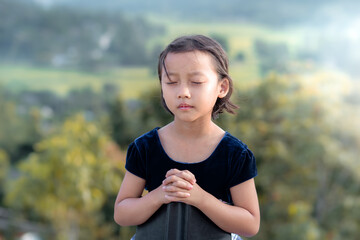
202 161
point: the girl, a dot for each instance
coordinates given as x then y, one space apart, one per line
191 160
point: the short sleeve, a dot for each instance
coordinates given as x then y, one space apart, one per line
242 168
134 162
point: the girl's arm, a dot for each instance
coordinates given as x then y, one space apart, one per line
132 209
243 218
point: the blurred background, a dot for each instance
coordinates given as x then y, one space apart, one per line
78 83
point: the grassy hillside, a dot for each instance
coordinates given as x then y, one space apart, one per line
129 80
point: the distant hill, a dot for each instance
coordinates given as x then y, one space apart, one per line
72 37
273 13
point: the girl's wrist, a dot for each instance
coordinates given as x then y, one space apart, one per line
158 196
201 196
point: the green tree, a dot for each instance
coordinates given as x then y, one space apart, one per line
222 40
19 128
68 180
4 168
119 123
301 176
151 111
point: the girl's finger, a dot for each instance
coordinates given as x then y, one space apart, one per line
181 184
177 181
190 173
187 175
177 187
173 171
177 196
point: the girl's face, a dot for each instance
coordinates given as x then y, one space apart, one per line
192 88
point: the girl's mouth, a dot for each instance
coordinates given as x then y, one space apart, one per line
184 106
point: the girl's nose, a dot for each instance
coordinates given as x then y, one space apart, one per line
184 92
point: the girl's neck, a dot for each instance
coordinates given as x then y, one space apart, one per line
193 130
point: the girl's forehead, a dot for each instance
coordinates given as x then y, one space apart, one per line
192 59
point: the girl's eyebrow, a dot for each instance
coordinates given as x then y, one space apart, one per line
195 73
172 74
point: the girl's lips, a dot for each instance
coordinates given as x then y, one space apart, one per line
184 106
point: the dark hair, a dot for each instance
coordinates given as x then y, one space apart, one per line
214 49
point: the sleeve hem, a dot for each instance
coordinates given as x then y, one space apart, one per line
243 180
130 171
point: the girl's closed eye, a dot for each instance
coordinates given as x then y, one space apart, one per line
197 82
171 82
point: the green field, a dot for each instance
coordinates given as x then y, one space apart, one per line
130 81
134 80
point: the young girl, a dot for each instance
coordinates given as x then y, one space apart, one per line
191 160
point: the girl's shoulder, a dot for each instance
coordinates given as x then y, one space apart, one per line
231 148
233 142
147 139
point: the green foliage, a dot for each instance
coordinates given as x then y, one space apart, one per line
119 123
301 178
222 40
4 169
68 179
4 166
23 122
130 120
151 111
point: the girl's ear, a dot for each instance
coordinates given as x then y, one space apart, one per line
224 87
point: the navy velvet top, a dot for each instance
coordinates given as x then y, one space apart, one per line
230 164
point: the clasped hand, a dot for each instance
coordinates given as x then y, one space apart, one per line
180 186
